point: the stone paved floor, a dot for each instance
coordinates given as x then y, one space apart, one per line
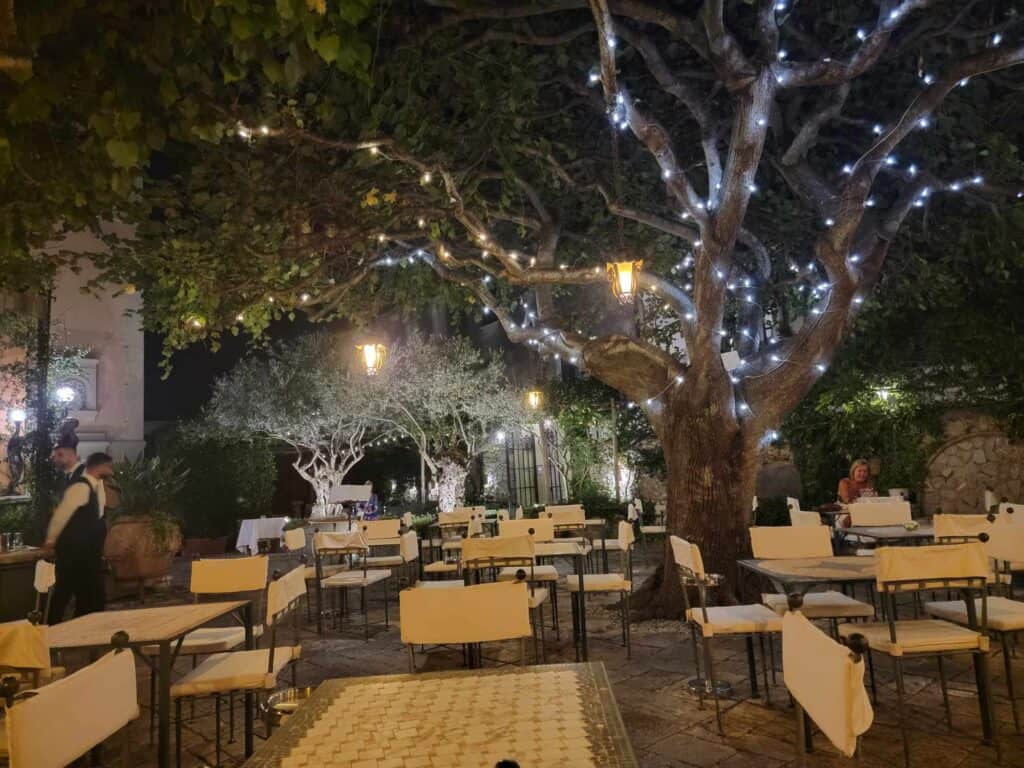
665 723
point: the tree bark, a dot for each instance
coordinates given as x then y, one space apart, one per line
711 474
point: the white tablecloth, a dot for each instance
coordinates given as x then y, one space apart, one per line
262 528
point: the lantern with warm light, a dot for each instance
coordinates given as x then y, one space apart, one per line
534 399
624 276
373 357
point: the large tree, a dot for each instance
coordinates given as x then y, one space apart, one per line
760 157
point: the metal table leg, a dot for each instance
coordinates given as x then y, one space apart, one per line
583 610
249 645
164 705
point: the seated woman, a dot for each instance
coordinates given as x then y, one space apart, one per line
858 483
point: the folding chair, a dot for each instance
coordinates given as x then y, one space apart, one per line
879 513
826 681
801 518
540 530
483 613
910 571
249 670
749 621
502 554
656 528
347 546
43 581
55 725
25 653
786 542
405 561
606 583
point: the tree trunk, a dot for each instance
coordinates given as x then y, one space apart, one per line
711 475
451 484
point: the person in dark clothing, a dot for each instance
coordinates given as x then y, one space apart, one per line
65 457
75 538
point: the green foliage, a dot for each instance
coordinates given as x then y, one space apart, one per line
15 518
150 488
228 479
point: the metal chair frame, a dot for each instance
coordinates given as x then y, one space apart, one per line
341 608
579 606
477 565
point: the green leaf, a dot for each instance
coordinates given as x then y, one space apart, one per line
328 47
242 26
125 154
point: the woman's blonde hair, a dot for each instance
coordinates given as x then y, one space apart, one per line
859 463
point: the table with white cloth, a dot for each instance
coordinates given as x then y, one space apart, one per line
554 715
164 627
251 531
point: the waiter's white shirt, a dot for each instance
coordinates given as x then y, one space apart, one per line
74 497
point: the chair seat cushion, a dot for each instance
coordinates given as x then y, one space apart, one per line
653 529
537 597
540 573
329 570
452 544
440 566
355 578
917 636
735 620
389 561
1004 615
204 640
440 584
599 582
822 605
236 671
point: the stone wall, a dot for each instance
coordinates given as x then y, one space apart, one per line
975 455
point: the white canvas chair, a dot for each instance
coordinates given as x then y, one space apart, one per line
381 533
245 671
294 540
484 613
792 503
406 561
826 681
879 513
1005 616
504 554
912 570
347 546
657 527
1011 513
789 542
606 583
43 581
953 528
209 579
25 654
749 621
800 517
540 530
55 725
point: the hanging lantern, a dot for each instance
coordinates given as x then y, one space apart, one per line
624 276
373 357
534 398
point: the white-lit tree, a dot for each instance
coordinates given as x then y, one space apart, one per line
452 402
301 395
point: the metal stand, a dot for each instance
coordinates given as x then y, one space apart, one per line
703 685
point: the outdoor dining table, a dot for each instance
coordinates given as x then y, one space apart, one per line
569 548
251 531
894 534
164 627
799 574
550 715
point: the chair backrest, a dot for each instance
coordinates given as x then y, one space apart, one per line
880 513
409 546
467 511
787 541
687 556
407 519
960 526
476 524
803 517
326 541
283 592
626 534
380 530
458 516
543 528
503 550
909 569
1011 513
792 503
479 614
60 722
45 576
827 680
1005 543
295 539
23 646
564 514
220 576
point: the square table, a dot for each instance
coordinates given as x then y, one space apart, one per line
553 715
154 626
894 534
799 574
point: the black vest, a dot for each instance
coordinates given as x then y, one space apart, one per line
85 530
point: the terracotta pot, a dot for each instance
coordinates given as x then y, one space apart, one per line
134 551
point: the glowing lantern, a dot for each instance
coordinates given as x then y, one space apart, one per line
533 399
373 357
624 275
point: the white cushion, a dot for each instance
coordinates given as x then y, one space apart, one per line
653 529
735 620
917 636
1004 615
389 561
204 640
537 597
355 578
599 582
236 671
822 605
540 573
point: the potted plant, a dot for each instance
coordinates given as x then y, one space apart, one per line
144 536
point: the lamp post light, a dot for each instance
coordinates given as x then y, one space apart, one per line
623 275
534 399
64 395
373 357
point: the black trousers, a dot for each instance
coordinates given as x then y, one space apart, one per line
79 577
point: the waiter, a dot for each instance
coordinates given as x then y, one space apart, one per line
75 536
65 458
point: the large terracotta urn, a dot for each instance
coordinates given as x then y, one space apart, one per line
138 551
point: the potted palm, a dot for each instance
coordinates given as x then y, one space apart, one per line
144 536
